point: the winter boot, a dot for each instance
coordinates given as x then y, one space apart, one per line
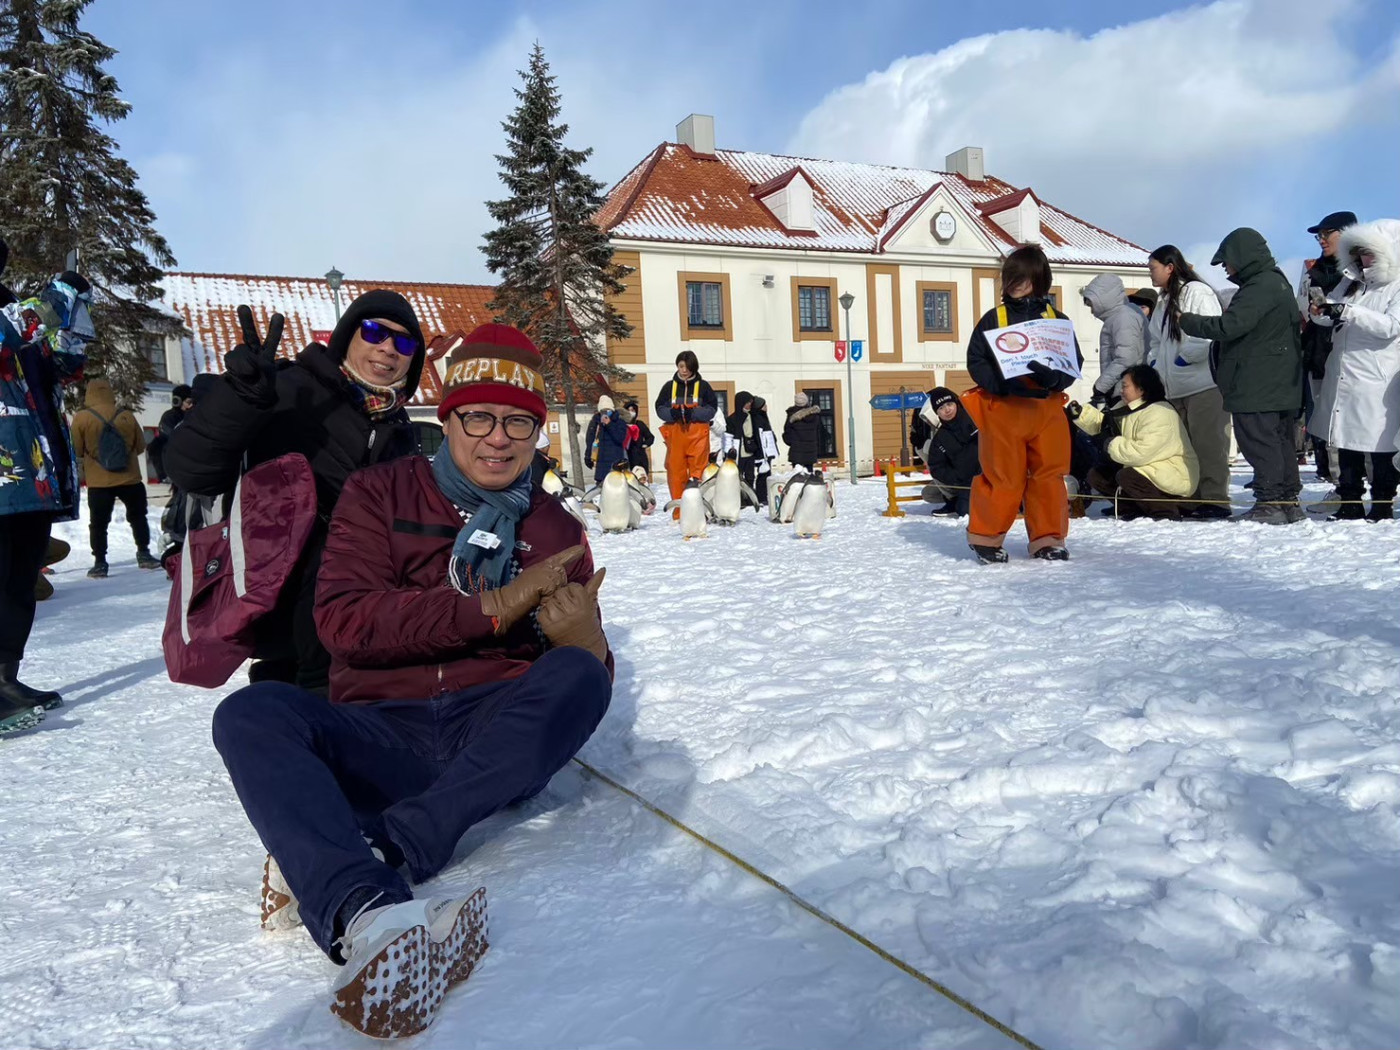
1263 514
948 510
1348 512
98 570
43 589
1051 554
145 561
57 550
11 688
1294 512
1381 510
401 960
1210 512
989 555
16 716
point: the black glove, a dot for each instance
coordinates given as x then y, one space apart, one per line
1099 399
1050 378
251 366
1074 409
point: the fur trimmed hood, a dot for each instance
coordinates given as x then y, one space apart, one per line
1381 237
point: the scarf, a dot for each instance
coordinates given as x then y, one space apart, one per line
483 548
377 401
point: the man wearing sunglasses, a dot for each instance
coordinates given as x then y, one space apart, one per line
460 608
340 405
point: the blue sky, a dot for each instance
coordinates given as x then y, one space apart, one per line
284 137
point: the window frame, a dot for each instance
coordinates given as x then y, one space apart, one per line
836 418
951 287
821 335
161 374
724 330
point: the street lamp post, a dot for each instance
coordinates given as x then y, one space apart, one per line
333 278
848 300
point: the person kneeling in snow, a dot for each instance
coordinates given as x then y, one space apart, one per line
946 439
468 665
1153 465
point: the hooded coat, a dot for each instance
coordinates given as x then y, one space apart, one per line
311 408
949 450
1260 364
1358 407
802 434
87 431
1122 339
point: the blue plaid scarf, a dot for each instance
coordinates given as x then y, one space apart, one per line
494 516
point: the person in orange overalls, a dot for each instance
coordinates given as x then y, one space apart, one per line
686 405
1024 444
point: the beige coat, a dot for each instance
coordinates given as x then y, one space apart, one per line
87 432
1153 442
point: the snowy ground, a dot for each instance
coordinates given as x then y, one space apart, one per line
1147 798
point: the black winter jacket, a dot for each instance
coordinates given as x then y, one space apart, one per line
952 454
686 401
803 435
982 363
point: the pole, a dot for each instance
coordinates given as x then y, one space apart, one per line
336 293
850 400
903 431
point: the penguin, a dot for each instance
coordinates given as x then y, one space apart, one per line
565 493
783 496
641 491
619 509
692 507
710 471
726 493
813 503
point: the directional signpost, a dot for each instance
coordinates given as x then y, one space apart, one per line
902 402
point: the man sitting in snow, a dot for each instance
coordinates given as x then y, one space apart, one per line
459 606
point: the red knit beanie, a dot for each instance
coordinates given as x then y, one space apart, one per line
497 364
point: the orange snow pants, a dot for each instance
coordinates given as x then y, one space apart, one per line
1023 444
687 455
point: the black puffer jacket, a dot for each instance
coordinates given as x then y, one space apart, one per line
316 411
952 451
802 434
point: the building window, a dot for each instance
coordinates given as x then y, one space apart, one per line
722 399
1057 298
825 399
152 347
938 311
705 305
814 308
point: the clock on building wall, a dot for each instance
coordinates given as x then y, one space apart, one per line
943 226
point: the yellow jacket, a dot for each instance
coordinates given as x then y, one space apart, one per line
1153 442
86 430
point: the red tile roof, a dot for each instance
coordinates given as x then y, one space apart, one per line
677 195
208 304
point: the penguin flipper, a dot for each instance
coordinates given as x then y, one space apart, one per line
672 504
747 493
594 491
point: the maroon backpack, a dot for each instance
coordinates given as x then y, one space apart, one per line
231 571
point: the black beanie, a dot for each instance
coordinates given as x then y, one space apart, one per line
941 395
391 306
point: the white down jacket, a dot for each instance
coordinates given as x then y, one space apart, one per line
1358 407
1183 364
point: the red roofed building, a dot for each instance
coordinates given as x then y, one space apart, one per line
742 257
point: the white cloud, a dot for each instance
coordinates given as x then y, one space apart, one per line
1176 128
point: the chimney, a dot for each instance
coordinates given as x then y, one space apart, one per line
967 162
698 132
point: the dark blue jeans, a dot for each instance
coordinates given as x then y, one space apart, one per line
315 777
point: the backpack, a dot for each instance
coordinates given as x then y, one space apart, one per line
112 453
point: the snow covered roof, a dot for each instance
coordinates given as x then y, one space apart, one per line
208 303
678 195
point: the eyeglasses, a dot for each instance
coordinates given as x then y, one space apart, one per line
482 424
1322 235
376 333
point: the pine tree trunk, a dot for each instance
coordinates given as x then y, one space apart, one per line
566 373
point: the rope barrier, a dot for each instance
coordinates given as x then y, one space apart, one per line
893 511
812 909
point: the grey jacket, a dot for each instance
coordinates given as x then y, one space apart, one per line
1122 340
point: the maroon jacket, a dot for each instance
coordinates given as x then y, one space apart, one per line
395 627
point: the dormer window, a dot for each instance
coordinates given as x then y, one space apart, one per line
789 198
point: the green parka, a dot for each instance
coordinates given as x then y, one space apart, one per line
1260 367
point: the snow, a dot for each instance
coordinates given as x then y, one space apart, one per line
1145 798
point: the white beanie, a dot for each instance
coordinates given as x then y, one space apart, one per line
605 404
800 400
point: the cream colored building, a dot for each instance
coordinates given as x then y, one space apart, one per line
743 257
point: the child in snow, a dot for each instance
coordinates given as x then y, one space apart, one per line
1024 445
464 673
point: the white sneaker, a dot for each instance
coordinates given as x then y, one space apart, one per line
402 959
280 910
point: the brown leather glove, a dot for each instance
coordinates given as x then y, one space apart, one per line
569 616
508 605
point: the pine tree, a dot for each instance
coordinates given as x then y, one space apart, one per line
63 186
555 264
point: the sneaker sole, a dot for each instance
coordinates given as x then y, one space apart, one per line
17 723
397 993
279 908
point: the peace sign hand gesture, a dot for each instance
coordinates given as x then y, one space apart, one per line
251 366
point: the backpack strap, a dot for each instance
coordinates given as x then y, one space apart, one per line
1049 313
1002 318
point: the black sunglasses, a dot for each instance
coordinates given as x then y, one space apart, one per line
376 333
481 424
